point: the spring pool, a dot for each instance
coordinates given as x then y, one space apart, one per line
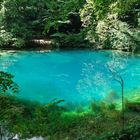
75 76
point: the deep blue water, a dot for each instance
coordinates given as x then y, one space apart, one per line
75 76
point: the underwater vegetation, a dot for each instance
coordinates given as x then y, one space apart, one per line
55 122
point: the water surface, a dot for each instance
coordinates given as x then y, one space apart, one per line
75 76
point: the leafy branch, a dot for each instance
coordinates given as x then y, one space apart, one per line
7 83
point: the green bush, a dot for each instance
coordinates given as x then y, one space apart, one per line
5 38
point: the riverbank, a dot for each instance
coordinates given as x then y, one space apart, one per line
50 48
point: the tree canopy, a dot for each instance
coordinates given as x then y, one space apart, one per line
105 24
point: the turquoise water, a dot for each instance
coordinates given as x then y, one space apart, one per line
75 76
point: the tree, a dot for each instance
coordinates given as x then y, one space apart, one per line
107 26
23 20
115 67
61 11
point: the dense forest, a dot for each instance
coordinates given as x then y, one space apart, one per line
69 25
76 24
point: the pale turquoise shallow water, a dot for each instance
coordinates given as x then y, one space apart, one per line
75 76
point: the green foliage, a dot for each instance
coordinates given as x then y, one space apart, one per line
29 118
5 38
29 19
7 83
22 20
131 132
53 121
60 11
105 24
